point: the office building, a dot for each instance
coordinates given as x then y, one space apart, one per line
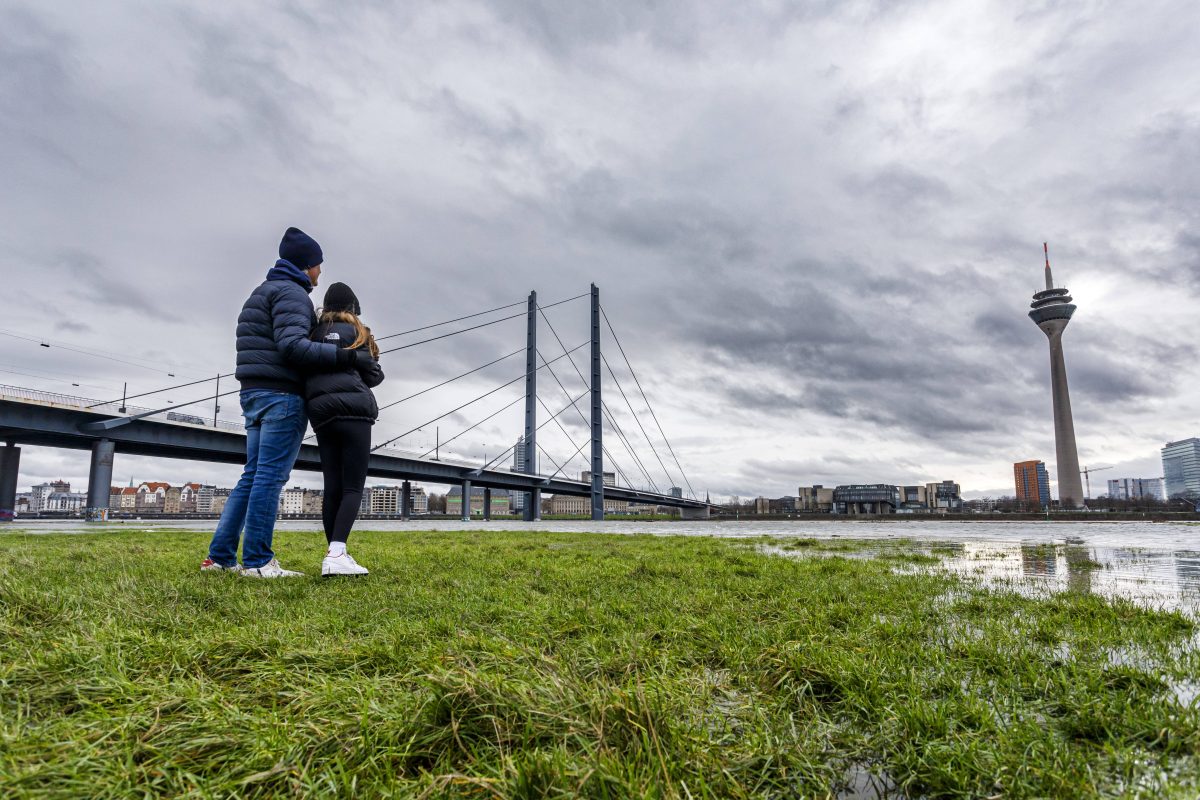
943 497
1051 311
1033 483
454 502
609 479
571 505
1181 468
814 499
1135 488
868 498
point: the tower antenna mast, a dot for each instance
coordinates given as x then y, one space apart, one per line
1049 277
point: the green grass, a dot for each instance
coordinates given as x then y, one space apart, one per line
483 665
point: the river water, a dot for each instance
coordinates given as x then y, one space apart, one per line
1154 564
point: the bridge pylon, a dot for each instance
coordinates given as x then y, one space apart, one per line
533 499
10 465
100 480
597 413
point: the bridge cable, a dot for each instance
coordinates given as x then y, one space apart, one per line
158 391
93 354
617 339
452 333
145 414
612 421
638 420
447 322
578 450
617 466
606 410
464 405
488 418
512 447
440 385
574 404
551 458
560 425
465 330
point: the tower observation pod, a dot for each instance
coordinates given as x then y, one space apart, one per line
1051 310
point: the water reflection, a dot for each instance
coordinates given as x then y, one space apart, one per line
1153 578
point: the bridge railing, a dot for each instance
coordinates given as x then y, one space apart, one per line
114 407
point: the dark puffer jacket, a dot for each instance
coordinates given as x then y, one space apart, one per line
274 350
345 394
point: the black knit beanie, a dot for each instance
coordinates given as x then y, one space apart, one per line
300 249
340 297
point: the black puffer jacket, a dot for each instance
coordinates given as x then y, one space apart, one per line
345 394
274 350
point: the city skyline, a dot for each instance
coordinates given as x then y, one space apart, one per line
815 230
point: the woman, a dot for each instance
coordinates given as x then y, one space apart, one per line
342 409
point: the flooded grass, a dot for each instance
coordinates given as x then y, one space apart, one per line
515 664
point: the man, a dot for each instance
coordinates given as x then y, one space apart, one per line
273 354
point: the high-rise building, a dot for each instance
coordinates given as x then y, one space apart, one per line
1052 310
1033 483
517 499
1133 488
1181 468
609 478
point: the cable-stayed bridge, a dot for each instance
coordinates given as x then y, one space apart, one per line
186 431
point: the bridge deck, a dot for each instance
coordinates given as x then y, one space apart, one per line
36 418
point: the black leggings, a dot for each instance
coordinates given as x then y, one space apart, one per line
345 445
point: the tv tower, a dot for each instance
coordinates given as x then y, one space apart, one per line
1052 310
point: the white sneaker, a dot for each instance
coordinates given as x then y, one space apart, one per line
271 569
342 565
208 565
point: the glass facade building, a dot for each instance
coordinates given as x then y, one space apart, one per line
1181 468
1133 488
1033 483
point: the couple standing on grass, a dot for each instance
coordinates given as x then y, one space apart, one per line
287 355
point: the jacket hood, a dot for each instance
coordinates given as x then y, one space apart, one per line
285 270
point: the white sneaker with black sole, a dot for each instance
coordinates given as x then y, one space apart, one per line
271 569
342 565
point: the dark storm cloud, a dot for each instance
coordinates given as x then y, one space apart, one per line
246 70
90 278
688 227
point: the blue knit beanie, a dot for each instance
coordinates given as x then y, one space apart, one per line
300 249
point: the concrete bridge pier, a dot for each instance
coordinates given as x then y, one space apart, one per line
405 501
100 480
694 513
487 503
466 501
10 464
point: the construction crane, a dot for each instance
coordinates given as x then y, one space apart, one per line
1086 472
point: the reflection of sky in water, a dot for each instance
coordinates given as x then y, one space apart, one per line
1156 564
1156 578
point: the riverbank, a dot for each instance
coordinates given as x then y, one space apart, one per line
516 664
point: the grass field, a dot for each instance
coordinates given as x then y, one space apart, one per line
560 665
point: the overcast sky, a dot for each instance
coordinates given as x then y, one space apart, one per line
816 226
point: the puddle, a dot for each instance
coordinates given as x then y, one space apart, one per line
865 781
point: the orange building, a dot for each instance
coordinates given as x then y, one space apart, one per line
1033 483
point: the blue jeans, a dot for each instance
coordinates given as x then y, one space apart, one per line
275 423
